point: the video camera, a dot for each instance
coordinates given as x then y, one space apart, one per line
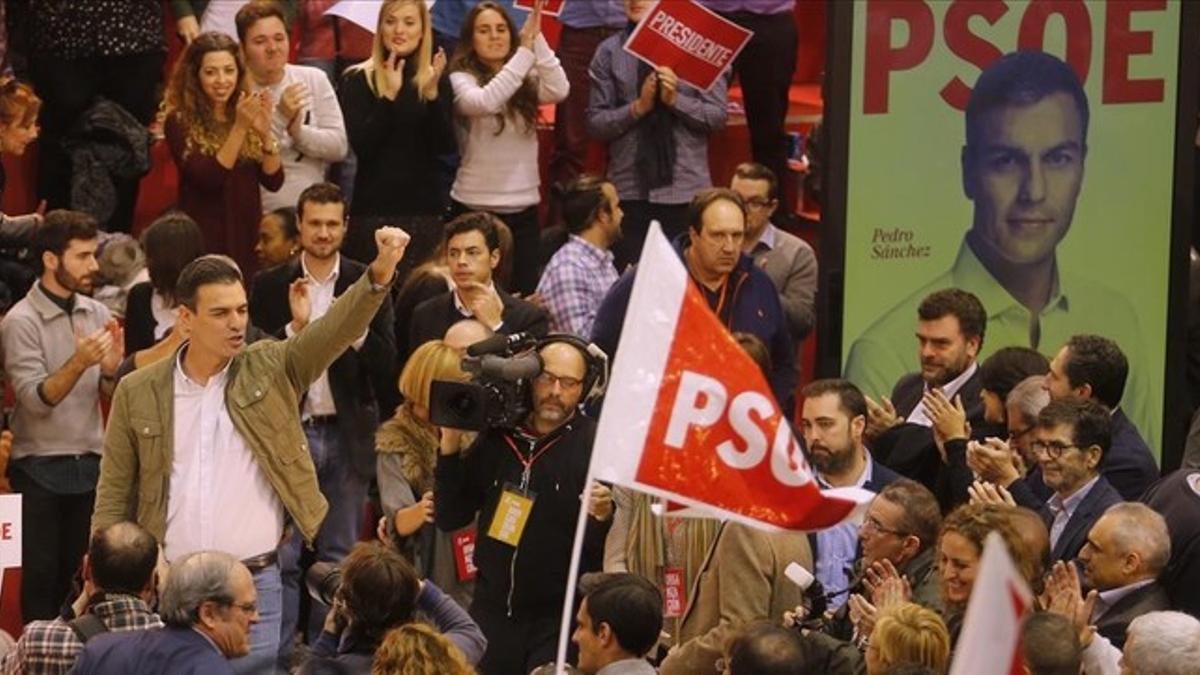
501 368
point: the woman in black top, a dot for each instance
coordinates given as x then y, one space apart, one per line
397 108
170 243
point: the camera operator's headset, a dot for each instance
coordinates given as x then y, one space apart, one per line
595 378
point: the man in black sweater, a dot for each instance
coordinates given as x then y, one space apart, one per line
525 485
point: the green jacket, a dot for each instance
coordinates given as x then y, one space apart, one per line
265 383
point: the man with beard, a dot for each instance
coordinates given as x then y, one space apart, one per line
525 484
340 411
833 420
61 351
581 272
950 329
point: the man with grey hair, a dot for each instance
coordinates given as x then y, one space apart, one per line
1159 643
1126 550
208 606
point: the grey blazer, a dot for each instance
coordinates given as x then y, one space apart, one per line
792 266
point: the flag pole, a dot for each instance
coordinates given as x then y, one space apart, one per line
564 627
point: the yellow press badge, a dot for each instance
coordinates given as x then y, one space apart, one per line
512 513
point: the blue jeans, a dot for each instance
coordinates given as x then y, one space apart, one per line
264 635
346 492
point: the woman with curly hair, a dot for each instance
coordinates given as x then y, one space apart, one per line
221 140
960 550
418 649
397 108
499 78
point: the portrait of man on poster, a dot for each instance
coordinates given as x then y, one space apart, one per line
1023 169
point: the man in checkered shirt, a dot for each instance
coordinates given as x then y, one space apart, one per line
581 272
119 580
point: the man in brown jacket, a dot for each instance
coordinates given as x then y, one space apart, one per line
741 581
206 450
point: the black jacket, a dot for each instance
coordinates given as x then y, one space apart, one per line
1177 498
536 570
433 317
359 380
1128 464
1113 623
909 449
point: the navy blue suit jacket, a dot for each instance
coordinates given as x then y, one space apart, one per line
1128 464
179 651
1074 535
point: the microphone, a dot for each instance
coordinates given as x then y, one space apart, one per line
520 367
501 344
816 600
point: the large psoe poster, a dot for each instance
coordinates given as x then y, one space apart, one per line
1024 151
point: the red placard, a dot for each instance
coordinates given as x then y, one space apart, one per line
674 594
464 554
692 40
550 8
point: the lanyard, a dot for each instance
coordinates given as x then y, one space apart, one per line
527 463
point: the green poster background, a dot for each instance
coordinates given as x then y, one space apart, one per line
904 174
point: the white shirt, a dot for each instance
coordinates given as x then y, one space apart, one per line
219 498
164 315
319 399
320 140
499 171
220 15
920 415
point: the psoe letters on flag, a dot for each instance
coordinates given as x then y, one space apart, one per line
692 40
689 417
990 641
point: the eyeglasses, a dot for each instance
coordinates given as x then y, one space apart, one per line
247 607
759 203
1017 434
548 379
1053 449
870 523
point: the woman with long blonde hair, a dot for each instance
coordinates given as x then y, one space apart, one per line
221 140
500 77
397 109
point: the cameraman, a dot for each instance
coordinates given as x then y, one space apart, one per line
526 485
380 591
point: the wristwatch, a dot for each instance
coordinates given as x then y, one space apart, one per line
271 148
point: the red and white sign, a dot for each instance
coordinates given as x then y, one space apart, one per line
990 642
464 554
549 8
690 39
689 416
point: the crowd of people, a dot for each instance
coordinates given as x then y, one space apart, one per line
248 442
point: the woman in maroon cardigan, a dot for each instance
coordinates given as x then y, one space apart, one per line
220 137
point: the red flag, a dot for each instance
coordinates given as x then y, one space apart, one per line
990 641
695 42
690 417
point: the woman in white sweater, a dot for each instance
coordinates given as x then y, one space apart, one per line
500 77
